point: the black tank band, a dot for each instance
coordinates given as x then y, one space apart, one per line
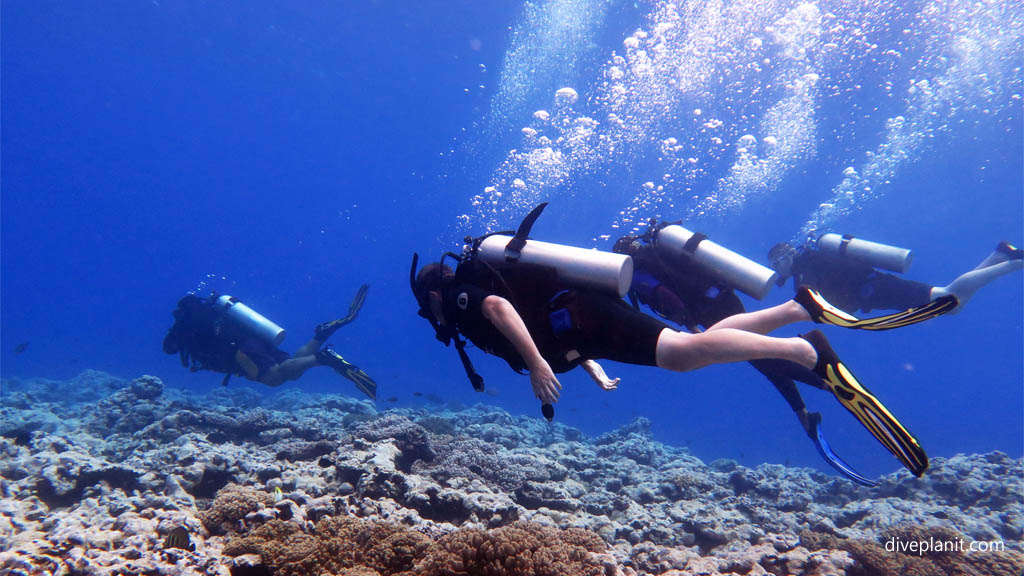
844 244
694 241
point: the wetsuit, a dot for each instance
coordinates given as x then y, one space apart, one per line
852 285
568 325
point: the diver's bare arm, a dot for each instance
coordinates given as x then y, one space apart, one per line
598 374
503 315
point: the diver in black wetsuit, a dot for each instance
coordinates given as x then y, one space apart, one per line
693 296
851 282
221 334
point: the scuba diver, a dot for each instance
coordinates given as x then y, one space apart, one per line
222 334
682 290
843 270
547 308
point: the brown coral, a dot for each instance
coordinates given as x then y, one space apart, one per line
231 505
872 558
355 547
522 549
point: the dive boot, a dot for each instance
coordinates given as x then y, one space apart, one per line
328 357
327 329
871 413
824 313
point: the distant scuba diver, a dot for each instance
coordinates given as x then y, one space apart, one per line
547 308
686 279
222 334
842 270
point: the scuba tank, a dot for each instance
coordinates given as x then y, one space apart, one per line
250 321
605 271
878 255
738 271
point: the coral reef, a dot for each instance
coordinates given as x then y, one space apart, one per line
97 471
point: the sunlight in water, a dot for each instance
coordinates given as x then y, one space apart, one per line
712 104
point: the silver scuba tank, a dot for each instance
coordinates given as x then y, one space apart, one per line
607 271
738 271
251 321
872 253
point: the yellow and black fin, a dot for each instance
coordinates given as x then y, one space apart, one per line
823 312
871 413
361 379
327 329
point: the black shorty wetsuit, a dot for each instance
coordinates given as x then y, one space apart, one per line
852 285
568 325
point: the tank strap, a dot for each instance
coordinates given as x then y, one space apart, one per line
694 241
844 244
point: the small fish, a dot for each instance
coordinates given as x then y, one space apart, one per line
278 494
178 538
491 392
434 399
417 394
21 347
392 399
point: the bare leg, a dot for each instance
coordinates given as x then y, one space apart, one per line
290 369
766 320
967 284
682 352
309 348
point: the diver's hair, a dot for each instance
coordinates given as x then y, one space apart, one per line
431 277
624 245
779 250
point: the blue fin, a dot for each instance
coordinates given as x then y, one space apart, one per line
832 458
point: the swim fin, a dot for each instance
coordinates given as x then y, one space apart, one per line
1011 251
327 329
816 434
824 313
361 379
871 413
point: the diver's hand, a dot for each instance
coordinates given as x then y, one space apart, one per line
598 374
545 385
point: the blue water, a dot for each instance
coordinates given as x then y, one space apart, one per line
287 153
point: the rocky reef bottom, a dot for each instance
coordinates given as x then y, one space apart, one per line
105 476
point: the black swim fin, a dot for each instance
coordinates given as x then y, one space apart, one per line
816 434
824 313
871 413
327 329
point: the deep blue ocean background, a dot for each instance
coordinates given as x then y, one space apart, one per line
287 153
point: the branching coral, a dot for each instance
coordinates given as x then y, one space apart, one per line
521 549
364 547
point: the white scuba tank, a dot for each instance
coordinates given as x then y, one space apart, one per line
607 271
740 272
251 321
872 253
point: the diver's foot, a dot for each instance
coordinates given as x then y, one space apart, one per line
327 329
1010 251
805 297
821 311
826 355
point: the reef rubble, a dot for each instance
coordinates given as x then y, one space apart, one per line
97 472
